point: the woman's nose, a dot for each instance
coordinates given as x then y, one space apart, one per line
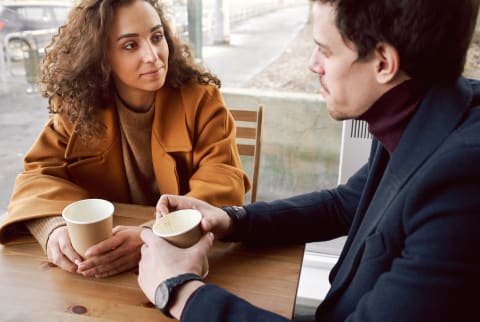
149 53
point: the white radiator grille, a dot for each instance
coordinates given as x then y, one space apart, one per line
355 148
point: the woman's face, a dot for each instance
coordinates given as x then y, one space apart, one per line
137 50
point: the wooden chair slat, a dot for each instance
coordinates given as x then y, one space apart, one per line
254 133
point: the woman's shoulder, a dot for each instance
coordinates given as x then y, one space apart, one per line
194 87
191 94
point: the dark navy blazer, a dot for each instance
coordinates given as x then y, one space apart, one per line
412 219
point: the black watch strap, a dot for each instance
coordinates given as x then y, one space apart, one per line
238 216
166 290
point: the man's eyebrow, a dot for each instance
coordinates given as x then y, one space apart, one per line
154 28
319 44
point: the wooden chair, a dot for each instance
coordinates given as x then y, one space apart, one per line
249 125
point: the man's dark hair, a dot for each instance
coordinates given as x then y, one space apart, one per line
432 37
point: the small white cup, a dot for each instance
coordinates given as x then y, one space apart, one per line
89 221
182 229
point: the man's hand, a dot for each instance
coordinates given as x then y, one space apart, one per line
213 219
161 260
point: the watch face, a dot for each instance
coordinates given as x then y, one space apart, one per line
161 296
163 291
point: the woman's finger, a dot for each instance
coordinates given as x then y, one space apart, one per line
104 246
57 257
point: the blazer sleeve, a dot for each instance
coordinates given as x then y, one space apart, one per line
211 304
315 216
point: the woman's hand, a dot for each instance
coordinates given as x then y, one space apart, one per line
60 250
117 254
213 219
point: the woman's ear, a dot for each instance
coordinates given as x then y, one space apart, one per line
387 63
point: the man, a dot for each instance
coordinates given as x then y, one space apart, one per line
412 213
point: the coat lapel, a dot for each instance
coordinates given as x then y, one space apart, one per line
442 109
170 134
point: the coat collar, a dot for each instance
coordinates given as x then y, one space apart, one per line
172 135
170 128
440 112
443 108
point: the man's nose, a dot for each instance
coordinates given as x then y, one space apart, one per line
315 63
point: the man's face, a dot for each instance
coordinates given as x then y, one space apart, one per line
348 86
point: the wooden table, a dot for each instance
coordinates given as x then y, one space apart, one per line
31 289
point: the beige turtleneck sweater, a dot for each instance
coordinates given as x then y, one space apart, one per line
136 130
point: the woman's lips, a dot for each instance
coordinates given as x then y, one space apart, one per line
154 72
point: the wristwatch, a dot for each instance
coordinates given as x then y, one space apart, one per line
238 216
165 291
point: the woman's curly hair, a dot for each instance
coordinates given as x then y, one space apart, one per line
76 76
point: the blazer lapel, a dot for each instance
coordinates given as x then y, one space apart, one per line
438 115
376 165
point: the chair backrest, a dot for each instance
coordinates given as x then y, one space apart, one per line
249 125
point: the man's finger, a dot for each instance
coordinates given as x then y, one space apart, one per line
165 204
204 244
148 236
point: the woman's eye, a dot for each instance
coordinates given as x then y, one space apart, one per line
158 37
129 45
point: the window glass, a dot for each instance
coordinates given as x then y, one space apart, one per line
34 13
61 14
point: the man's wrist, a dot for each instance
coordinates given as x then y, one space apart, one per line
182 296
166 293
238 219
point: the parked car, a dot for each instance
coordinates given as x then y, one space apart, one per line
20 17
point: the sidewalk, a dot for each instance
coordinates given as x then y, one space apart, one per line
255 43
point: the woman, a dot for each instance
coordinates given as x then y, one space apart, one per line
133 118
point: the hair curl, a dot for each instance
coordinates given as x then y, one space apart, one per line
76 76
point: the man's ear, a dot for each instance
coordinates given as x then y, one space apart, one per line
387 63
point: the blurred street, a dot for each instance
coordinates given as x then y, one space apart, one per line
254 44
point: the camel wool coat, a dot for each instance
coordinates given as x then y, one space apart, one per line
193 151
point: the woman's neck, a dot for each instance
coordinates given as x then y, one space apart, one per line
138 107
